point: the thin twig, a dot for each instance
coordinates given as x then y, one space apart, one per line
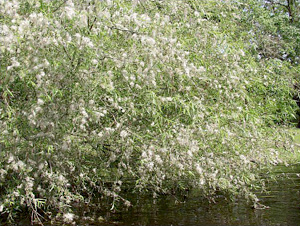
67 53
92 24
60 6
125 30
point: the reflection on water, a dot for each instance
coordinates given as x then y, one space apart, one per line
283 199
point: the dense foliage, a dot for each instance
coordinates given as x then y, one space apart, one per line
171 94
275 28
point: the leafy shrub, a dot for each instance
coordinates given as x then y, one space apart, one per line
94 93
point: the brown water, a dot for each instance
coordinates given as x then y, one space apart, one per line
283 198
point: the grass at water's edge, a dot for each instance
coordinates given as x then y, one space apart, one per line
294 158
296 134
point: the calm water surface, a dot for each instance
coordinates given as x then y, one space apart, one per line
283 198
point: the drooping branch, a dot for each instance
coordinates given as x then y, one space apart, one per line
57 8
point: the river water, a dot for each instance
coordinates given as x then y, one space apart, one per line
282 198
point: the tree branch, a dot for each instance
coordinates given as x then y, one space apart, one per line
64 2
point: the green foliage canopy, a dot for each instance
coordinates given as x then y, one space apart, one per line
170 94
